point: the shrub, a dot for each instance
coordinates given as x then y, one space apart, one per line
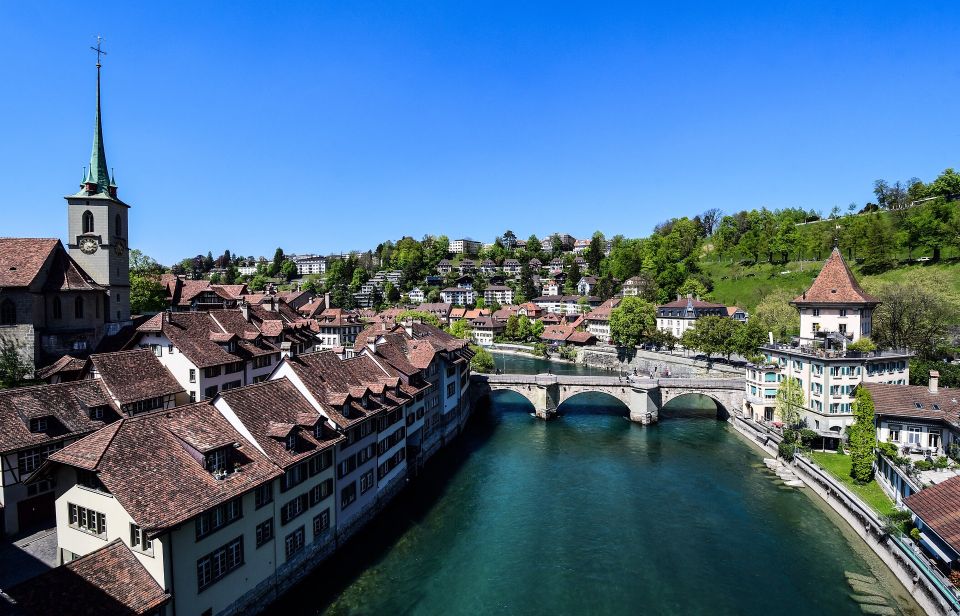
923 465
786 450
789 435
807 435
954 452
915 534
941 462
888 449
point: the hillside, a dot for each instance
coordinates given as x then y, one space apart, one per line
745 286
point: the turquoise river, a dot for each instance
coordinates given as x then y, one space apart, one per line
591 514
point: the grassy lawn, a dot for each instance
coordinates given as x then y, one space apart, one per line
839 466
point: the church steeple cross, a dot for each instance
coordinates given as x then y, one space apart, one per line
98 50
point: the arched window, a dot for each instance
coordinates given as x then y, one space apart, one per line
78 307
57 308
87 222
118 230
8 313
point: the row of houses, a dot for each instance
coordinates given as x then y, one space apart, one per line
214 506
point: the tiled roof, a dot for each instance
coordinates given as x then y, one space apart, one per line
69 403
939 508
157 450
835 284
65 364
22 258
65 275
109 581
135 375
696 303
602 312
191 333
270 411
903 401
581 337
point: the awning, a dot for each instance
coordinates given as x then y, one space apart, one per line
932 547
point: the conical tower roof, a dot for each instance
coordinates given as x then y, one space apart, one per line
97 171
835 284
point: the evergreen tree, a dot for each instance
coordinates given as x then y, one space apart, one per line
863 437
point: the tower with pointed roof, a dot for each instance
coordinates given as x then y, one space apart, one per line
97 226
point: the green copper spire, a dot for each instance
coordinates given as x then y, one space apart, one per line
97 172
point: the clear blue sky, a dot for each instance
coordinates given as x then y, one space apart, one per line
327 126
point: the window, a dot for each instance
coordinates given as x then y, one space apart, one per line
321 523
293 509
216 460
39 424
139 540
88 222
321 491
212 371
291 441
263 495
294 542
193 396
57 308
348 494
264 531
843 312
214 519
193 375
8 313
117 227
210 392
816 312
91 481
293 476
87 520
913 435
30 460
320 462
78 308
451 389
217 564
366 481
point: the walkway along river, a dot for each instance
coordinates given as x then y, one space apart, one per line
591 514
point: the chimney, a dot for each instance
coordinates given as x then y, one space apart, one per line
287 349
934 381
326 300
372 343
245 310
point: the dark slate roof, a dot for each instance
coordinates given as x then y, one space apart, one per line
939 508
69 403
835 284
109 581
134 375
157 450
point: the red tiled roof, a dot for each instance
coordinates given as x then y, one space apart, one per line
157 450
939 508
22 258
65 364
109 581
134 375
902 401
835 284
69 403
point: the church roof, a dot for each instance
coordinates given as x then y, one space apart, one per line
835 284
22 261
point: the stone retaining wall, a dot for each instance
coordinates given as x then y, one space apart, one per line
647 361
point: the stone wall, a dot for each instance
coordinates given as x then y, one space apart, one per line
648 361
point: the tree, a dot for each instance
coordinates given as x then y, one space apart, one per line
423 317
482 360
147 294
595 252
14 369
556 246
692 286
863 437
632 321
391 293
916 313
288 269
747 338
215 278
535 329
278 259
573 279
534 248
257 283
710 220
231 275
511 329
775 314
789 402
460 329
527 290
142 264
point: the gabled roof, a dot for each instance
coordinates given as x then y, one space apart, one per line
915 402
939 508
131 376
109 581
65 365
69 403
835 284
158 450
22 260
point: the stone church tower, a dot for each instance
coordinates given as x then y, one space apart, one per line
97 230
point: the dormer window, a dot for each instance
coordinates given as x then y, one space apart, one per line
216 461
366 400
346 409
97 412
918 405
318 430
39 424
292 441
936 407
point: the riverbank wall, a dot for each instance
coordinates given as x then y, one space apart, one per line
909 568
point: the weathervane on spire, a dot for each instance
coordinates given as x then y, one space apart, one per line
99 51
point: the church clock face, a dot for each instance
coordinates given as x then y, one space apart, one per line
89 245
118 248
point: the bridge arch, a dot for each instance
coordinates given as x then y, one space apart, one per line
682 400
615 402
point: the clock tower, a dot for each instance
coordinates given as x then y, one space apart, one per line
97 231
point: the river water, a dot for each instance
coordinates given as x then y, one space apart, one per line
591 514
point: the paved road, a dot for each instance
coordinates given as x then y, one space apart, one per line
27 556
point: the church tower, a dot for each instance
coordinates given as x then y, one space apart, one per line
97 226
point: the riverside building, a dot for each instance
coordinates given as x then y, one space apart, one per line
834 313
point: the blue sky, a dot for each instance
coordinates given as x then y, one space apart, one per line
328 126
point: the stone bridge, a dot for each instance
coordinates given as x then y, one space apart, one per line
643 397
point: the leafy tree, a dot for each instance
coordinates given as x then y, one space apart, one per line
692 286
142 264
573 279
712 335
460 329
746 339
14 369
231 275
527 290
535 329
482 360
534 248
480 302
215 278
391 293
433 295
863 437
916 313
278 259
147 295
789 402
257 283
775 314
424 317
595 252
863 345
632 321
556 246
288 269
